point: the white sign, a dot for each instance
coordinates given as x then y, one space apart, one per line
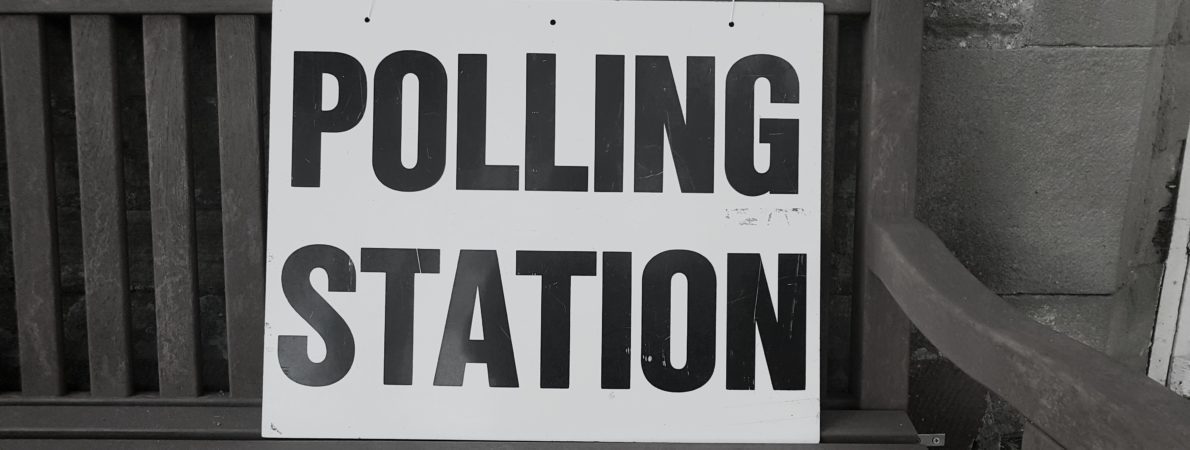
544 220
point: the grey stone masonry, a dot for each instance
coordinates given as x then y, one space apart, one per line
1052 134
1025 158
1101 23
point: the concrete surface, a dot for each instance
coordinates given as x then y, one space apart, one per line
1024 162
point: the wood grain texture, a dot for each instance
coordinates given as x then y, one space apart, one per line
31 196
101 178
874 427
886 177
137 6
830 69
1078 396
251 6
170 182
243 203
211 420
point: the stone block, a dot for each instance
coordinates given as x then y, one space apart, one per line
976 24
1025 161
1099 22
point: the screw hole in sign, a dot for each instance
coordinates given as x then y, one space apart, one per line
553 22
367 19
731 24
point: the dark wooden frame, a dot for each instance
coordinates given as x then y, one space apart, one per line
905 275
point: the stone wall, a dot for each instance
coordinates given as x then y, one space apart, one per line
1051 138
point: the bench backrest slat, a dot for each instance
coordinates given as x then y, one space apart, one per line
830 87
171 183
101 199
31 196
243 202
886 179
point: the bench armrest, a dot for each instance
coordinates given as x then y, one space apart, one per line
1079 396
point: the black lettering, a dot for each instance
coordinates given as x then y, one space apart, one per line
310 120
659 115
617 320
541 174
398 266
292 351
655 322
609 123
478 273
473 171
431 121
749 308
781 134
555 269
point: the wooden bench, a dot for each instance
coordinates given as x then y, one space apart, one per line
904 275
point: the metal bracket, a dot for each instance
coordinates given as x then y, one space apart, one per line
933 440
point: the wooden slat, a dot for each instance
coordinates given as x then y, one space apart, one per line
141 399
887 429
830 69
137 6
243 222
31 196
134 422
886 178
251 6
170 182
874 427
1079 396
101 178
